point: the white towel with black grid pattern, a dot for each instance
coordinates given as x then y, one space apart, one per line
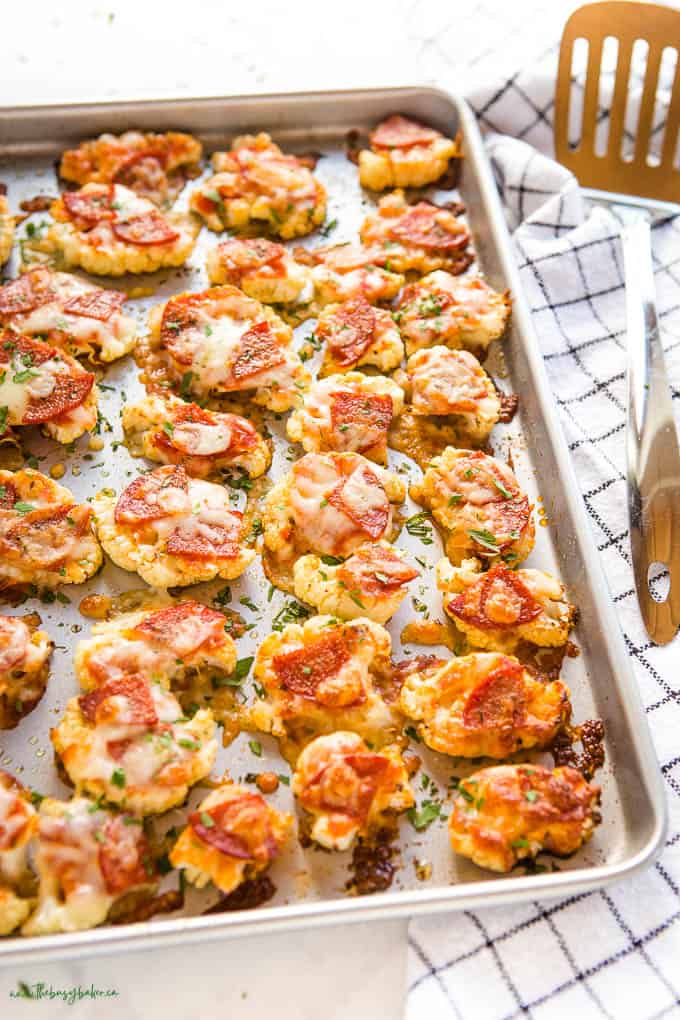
614 953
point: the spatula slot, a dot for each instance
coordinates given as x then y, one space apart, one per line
658 581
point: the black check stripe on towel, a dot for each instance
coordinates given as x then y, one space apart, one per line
614 953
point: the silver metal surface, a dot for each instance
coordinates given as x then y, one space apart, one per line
311 884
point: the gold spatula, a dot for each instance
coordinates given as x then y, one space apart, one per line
636 190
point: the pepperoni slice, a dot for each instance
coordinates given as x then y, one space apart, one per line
184 628
258 351
91 206
249 816
499 701
46 535
399 132
497 601
147 229
362 498
20 296
198 539
153 495
8 496
69 388
95 304
14 638
370 412
302 670
247 256
427 304
125 170
125 856
239 434
426 226
139 708
349 331
507 519
376 571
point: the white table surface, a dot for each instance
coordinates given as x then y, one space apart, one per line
83 51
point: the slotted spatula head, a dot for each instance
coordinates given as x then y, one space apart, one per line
626 22
615 170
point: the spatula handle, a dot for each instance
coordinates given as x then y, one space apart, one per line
653 456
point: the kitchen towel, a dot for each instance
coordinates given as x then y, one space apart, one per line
613 953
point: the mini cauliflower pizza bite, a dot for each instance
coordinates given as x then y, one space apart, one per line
18 824
68 313
256 185
348 413
172 530
509 813
454 311
206 443
478 502
344 272
349 790
232 837
46 539
484 705
154 166
501 608
87 859
178 646
108 231
404 154
330 504
323 676
372 582
446 383
354 333
6 228
219 341
42 385
128 741
419 238
24 666
262 269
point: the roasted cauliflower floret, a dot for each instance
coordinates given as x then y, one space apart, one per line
13 910
350 790
453 383
479 503
321 677
127 740
232 836
354 333
46 538
404 154
501 608
484 705
179 645
206 443
41 385
256 185
453 311
154 166
109 231
24 666
262 269
87 859
6 229
508 813
172 530
348 413
330 503
420 238
345 272
219 341
372 582
68 313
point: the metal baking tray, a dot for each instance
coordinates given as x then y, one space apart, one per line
310 884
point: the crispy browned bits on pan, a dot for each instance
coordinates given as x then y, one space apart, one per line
267 782
590 734
39 203
250 894
373 865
